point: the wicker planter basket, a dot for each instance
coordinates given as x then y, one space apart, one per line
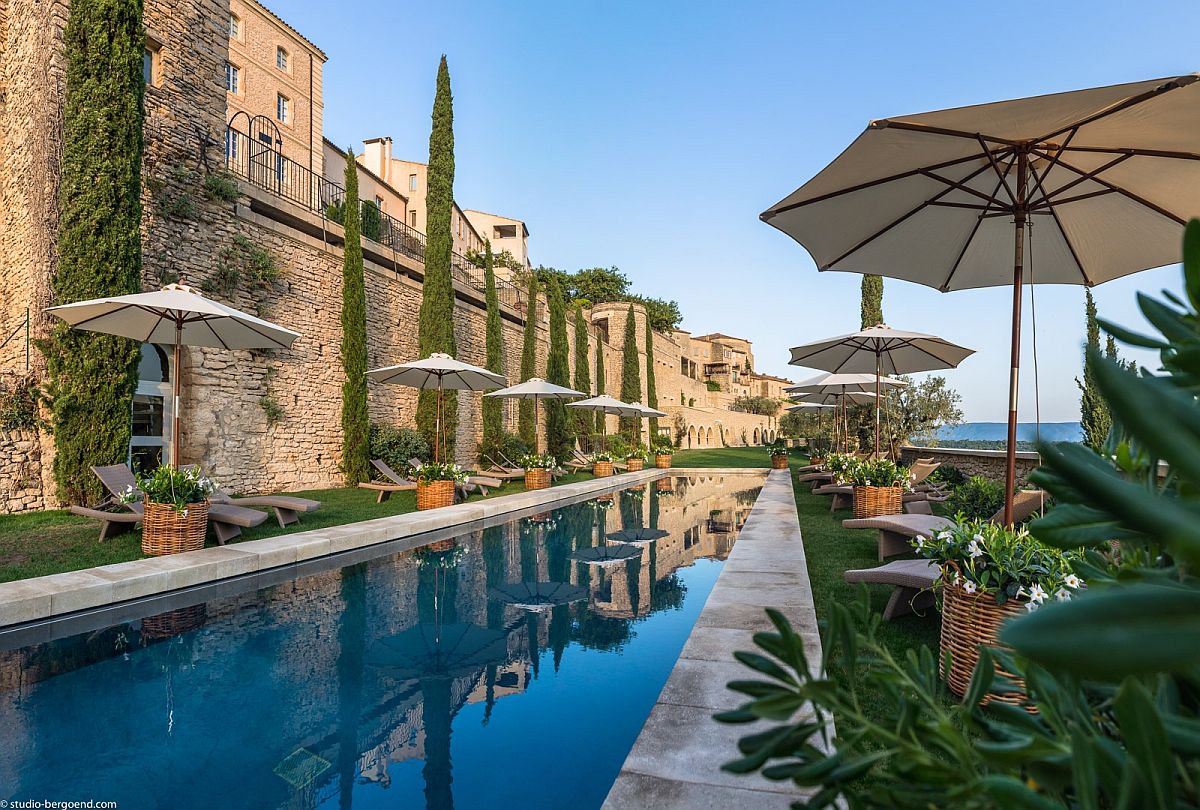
165 531
536 478
174 622
602 469
435 494
875 501
779 462
969 620
636 464
663 461
442 545
664 485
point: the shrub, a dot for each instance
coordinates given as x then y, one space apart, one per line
396 445
977 498
508 445
618 445
372 220
19 405
947 474
221 187
712 385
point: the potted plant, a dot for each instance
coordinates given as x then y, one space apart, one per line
989 574
840 466
636 459
602 464
779 457
663 450
436 482
879 486
174 508
537 469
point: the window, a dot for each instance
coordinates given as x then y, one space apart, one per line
505 232
412 182
281 58
379 202
281 108
412 217
235 26
231 146
232 78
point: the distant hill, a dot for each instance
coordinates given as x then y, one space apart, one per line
998 431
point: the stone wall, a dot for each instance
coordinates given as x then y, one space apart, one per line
988 463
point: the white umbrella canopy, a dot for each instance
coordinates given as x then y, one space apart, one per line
880 350
647 412
800 407
841 382
440 371
176 316
536 388
1077 188
606 404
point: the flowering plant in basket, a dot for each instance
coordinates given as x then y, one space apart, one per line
538 461
172 487
778 450
881 472
982 557
662 447
840 465
602 455
636 454
431 471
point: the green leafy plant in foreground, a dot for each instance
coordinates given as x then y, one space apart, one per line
175 487
1114 673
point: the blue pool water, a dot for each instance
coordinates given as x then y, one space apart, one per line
427 678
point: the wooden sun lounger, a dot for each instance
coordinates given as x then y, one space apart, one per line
287 508
111 523
385 489
226 520
913 580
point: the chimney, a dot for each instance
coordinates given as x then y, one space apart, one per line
377 157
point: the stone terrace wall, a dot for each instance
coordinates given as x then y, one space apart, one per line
988 463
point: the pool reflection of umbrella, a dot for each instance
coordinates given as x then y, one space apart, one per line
606 555
439 651
537 595
642 535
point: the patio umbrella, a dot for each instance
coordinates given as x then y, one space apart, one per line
606 404
640 535
802 407
646 412
1109 175
440 371
536 388
537 595
880 348
838 396
604 555
177 316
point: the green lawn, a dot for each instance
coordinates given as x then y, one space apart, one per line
40 543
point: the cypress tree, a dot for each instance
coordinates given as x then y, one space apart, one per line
558 430
493 413
651 394
356 421
600 385
1093 410
583 373
435 329
872 301
525 422
93 376
631 378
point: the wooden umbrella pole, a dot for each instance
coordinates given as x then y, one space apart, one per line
175 397
1010 469
876 403
437 428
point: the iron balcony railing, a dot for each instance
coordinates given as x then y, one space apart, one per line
265 167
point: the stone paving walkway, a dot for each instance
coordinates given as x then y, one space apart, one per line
676 760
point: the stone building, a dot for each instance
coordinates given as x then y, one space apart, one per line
262 420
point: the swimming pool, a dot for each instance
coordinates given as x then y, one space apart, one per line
514 664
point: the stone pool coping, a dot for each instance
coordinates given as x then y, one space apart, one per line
676 760
40 598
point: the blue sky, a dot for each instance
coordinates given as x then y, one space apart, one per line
650 135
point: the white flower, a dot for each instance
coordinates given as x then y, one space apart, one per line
1031 606
1021 592
969 586
1063 595
974 550
920 542
944 536
1072 581
1037 594
955 578
978 538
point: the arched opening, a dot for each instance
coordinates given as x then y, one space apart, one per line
710 441
756 441
150 420
691 436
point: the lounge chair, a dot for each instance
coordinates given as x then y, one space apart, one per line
226 520
111 523
285 507
474 483
915 579
497 470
